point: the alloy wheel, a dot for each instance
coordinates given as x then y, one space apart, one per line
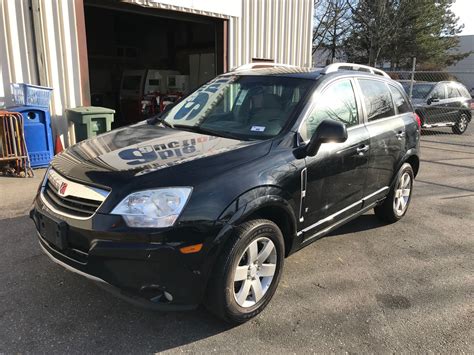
462 123
402 194
254 273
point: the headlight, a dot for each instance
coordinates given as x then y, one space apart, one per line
153 208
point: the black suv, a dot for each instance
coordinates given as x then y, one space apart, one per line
442 104
202 204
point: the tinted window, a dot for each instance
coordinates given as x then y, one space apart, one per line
439 92
419 90
239 106
400 102
337 102
464 92
453 92
377 99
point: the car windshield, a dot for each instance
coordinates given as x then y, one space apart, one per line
239 106
420 91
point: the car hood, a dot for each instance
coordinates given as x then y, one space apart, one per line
142 149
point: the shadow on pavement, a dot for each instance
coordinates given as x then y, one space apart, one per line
447 143
47 308
360 224
424 132
447 164
444 185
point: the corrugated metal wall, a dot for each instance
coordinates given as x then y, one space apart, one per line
280 30
212 8
40 46
17 54
58 57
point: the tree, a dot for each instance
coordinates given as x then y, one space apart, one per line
321 13
395 31
434 35
332 25
374 27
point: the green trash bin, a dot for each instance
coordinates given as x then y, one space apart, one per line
90 121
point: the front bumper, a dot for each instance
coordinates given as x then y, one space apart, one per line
146 268
160 303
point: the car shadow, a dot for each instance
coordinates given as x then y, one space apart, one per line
424 132
62 311
67 309
362 223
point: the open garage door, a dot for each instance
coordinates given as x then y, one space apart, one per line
141 59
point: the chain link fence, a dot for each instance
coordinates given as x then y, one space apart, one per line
443 100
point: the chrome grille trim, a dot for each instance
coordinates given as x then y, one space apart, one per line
75 189
76 201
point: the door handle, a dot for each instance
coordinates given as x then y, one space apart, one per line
400 134
362 149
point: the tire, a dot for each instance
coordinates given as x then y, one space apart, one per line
239 301
461 124
395 205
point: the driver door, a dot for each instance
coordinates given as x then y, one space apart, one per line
336 175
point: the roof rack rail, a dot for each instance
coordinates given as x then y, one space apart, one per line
331 68
261 65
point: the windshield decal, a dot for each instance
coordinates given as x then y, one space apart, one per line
162 151
258 128
159 153
204 99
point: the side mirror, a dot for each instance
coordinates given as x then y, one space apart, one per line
431 100
328 131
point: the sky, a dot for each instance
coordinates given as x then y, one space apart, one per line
465 10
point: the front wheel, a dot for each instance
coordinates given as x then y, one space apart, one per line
247 272
461 124
396 203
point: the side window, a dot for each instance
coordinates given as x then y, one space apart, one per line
336 102
439 92
453 91
400 102
464 92
377 99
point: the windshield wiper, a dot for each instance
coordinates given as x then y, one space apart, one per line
166 123
157 119
211 132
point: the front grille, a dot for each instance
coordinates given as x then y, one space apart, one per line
72 205
76 200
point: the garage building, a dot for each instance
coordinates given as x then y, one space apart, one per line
97 52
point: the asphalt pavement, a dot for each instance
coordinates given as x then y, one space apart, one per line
368 287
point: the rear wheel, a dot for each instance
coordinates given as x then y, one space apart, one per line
461 124
247 272
396 204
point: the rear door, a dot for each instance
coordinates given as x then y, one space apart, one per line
435 110
453 103
334 179
387 136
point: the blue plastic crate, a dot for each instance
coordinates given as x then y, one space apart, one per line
31 95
